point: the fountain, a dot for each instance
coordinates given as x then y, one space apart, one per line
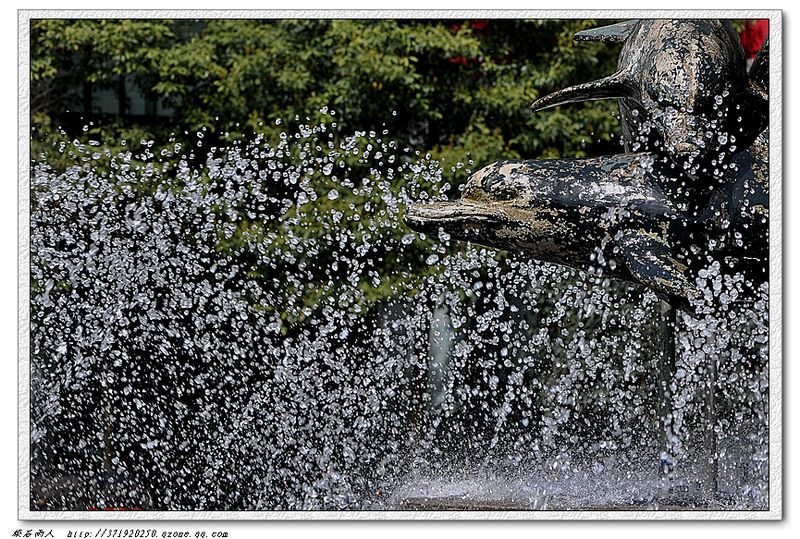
196 344
692 187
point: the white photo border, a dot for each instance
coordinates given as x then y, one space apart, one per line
776 427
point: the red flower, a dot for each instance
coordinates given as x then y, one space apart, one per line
479 26
476 26
753 36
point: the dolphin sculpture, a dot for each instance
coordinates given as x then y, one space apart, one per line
677 82
636 216
563 211
695 191
613 215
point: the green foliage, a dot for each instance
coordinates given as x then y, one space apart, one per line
65 54
448 83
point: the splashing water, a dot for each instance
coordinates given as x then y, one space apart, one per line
256 329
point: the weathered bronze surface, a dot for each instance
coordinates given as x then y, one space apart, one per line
676 81
695 191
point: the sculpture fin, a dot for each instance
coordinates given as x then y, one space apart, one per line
613 33
754 103
650 261
613 86
759 71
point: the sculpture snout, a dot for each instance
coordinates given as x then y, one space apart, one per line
448 215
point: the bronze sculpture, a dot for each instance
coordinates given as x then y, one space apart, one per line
691 188
696 188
